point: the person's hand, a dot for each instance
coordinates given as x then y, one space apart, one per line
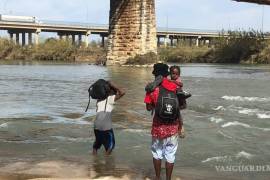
181 132
112 85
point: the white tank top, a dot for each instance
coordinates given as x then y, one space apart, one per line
103 119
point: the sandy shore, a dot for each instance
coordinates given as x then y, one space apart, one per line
57 170
17 177
101 178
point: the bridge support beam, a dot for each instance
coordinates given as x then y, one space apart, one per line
11 36
178 41
103 40
190 41
86 41
37 36
198 41
17 38
30 38
171 38
62 35
166 40
23 39
80 39
73 39
158 41
132 29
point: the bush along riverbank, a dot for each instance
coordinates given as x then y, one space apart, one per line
52 50
241 47
238 47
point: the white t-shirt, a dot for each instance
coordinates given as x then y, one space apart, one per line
103 120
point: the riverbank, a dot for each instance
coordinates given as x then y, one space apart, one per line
241 48
52 50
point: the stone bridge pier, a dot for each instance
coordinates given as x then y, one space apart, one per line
132 30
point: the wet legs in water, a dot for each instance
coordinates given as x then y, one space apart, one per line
94 151
157 166
169 169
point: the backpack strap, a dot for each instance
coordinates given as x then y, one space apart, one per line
88 103
106 104
162 89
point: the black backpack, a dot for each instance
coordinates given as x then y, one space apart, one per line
99 90
167 107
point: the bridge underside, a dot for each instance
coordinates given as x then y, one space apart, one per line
267 2
132 29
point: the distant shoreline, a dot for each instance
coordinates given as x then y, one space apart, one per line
243 50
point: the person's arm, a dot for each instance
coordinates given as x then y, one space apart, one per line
149 107
148 102
181 130
119 92
150 87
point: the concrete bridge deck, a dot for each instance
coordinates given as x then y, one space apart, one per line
75 28
266 2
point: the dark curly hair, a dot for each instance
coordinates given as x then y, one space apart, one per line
175 67
161 69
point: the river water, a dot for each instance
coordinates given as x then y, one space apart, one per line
44 131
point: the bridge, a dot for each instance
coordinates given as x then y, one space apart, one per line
132 30
266 2
18 31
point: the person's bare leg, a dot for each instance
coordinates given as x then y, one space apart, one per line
157 166
169 169
94 151
108 152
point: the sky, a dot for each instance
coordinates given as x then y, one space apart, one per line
192 14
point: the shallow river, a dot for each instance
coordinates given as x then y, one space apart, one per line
44 131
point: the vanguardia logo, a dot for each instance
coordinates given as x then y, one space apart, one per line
243 168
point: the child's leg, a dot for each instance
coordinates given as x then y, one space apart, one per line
109 141
98 142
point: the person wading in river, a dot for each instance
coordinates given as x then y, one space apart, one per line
103 123
166 121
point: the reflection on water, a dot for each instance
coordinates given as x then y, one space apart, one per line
42 120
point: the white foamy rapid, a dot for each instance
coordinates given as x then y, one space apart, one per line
217 159
240 98
254 112
4 125
244 154
63 138
140 131
248 111
216 120
235 123
241 154
63 120
225 135
263 116
219 108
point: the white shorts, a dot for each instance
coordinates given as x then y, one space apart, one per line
166 148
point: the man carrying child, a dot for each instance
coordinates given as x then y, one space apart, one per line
167 123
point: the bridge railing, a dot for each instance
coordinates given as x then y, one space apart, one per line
70 23
186 30
106 26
